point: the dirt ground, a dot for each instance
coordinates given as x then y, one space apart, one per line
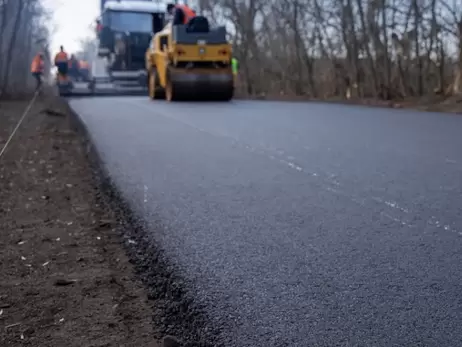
65 278
452 104
431 104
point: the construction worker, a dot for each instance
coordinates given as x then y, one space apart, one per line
61 61
99 28
74 68
84 68
37 68
182 14
235 66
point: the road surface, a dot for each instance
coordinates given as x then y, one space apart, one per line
299 224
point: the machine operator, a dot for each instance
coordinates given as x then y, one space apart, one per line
182 14
61 61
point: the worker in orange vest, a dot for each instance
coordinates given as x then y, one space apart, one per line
61 61
74 67
84 68
99 28
37 67
182 14
84 64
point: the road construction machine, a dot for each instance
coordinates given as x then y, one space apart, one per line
64 83
190 62
72 84
73 77
124 31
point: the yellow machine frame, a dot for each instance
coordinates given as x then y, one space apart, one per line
177 71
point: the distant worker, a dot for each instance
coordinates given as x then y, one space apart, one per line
61 61
84 68
37 68
99 28
182 14
235 66
73 67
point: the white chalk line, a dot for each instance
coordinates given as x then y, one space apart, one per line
145 197
26 112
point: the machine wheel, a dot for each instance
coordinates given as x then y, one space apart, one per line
155 90
92 86
174 91
169 90
63 92
228 96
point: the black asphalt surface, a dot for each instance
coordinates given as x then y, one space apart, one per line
299 224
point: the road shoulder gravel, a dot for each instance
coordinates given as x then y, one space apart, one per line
65 276
176 312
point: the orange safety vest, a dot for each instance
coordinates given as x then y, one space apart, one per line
72 63
84 65
61 57
188 12
37 65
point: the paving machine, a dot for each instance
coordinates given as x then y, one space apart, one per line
190 62
124 33
73 78
64 79
64 83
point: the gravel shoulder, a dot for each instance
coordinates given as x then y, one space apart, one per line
66 279
452 104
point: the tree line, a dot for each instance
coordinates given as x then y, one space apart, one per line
387 49
23 33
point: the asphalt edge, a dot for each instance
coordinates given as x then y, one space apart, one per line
108 93
174 310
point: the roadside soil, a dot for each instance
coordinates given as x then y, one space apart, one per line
431 104
65 278
452 104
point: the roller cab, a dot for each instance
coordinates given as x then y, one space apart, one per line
190 62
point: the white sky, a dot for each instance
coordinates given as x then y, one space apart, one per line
71 22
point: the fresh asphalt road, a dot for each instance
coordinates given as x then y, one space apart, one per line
300 224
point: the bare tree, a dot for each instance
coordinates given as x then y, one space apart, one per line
23 35
388 49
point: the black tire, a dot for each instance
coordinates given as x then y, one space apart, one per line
92 86
225 95
170 94
155 90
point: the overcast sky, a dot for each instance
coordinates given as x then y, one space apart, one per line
71 22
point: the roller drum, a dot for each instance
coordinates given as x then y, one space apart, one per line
201 84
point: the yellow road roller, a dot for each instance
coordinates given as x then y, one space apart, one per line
190 62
